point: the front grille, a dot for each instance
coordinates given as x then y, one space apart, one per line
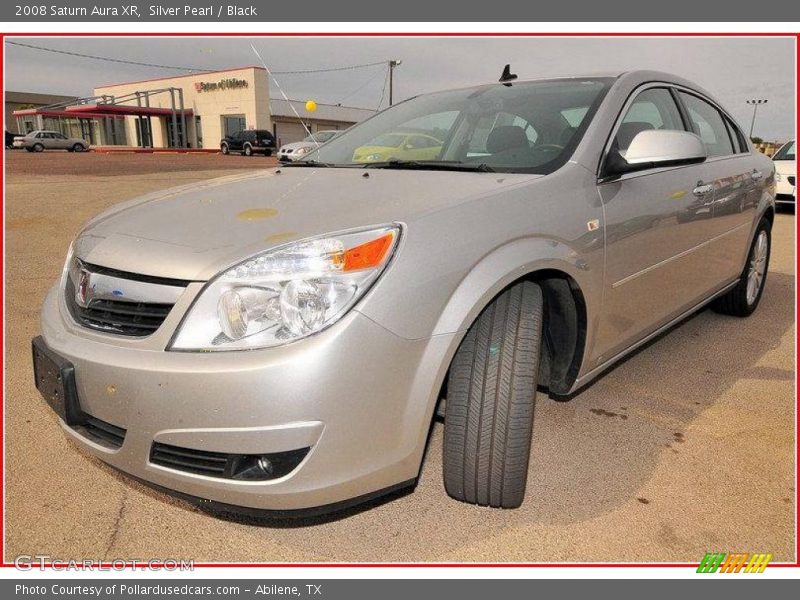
228 466
791 179
116 316
103 433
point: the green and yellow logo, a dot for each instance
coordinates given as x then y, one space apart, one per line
714 562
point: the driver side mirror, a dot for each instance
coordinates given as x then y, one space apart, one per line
656 148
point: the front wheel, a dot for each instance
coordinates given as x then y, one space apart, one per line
743 299
248 150
489 410
77 148
224 149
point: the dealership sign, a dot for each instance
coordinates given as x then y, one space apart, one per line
222 84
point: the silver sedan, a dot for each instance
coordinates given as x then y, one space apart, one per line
281 341
39 141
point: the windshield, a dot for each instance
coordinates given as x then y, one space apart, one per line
786 152
320 137
530 127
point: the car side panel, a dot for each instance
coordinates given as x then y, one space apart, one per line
657 231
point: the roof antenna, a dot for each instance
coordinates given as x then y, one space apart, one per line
507 76
285 97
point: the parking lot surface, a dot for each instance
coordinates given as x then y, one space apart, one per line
686 447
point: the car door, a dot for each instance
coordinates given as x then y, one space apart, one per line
656 223
737 181
60 141
236 141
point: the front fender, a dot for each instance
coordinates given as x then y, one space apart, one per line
509 263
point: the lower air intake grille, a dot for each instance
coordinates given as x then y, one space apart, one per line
103 433
228 466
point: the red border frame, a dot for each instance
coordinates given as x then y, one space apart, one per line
107 565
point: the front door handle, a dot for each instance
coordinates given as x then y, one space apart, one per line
756 175
702 189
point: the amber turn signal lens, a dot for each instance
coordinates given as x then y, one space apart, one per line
369 254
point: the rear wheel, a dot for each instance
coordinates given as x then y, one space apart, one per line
248 150
743 299
490 400
38 148
224 149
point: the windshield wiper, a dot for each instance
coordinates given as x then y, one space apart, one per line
307 163
433 165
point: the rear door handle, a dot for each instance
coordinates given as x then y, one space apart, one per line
702 189
756 175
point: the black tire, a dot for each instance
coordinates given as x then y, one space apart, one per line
29 149
224 149
38 148
78 148
490 400
247 150
735 302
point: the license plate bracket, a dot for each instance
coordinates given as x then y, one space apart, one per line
55 380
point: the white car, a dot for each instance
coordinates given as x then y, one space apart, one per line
298 150
785 174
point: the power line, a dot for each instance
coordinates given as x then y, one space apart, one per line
383 92
105 58
181 68
362 86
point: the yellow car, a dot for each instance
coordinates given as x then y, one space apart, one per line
400 146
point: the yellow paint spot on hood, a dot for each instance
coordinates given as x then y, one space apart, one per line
256 214
281 237
677 195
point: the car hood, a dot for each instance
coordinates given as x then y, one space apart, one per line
193 232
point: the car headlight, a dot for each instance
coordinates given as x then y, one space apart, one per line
304 150
287 293
374 157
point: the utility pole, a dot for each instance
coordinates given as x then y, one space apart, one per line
755 103
392 65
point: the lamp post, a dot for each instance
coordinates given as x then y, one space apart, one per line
755 103
392 65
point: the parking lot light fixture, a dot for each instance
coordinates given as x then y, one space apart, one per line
755 103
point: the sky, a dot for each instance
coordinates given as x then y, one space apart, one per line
732 69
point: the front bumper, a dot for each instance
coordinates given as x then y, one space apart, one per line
358 395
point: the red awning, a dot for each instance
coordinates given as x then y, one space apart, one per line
61 113
125 110
99 111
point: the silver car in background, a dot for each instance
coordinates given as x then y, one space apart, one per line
40 140
297 150
280 341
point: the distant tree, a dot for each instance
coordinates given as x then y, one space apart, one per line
756 140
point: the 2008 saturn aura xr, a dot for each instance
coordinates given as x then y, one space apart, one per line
281 341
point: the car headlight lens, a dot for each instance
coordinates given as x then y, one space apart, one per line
303 150
288 293
374 157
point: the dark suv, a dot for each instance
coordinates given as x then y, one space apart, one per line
249 142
